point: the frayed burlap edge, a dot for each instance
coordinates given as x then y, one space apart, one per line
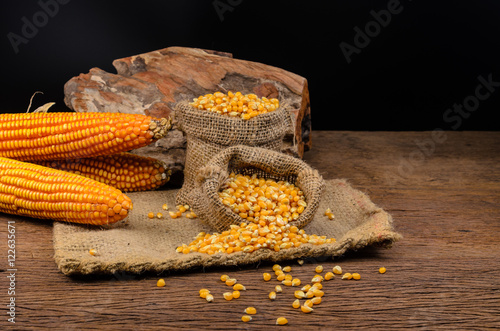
124 247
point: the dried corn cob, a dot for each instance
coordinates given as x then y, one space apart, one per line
124 171
57 136
32 190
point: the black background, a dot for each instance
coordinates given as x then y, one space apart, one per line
426 59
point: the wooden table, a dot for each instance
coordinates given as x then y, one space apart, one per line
442 188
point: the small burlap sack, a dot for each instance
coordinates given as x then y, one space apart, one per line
142 245
208 133
246 160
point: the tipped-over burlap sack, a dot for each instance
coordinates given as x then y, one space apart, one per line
208 133
204 198
141 245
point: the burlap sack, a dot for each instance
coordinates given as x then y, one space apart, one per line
204 197
208 133
141 245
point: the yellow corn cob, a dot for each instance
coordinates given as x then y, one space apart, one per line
124 171
32 190
58 136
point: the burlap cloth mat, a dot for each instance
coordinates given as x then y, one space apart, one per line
140 244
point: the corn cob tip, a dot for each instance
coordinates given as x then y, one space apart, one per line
160 127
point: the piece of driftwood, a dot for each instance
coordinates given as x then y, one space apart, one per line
152 83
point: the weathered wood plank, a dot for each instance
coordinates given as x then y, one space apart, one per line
442 275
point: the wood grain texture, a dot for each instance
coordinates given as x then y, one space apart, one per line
442 275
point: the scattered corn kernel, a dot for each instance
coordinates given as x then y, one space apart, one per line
317 279
337 270
319 269
287 282
318 293
159 215
296 282
272 295
288 277
236 294
310 294
356 276
306 288
329 275
230 281
300 262
296 303
382 270
266 276
276 267
306 309
287 268
209 297
316 300
347 276
92 252
299 294
204 292
278 289
308 303
250 310
224 278
246 318
228 296
151 215
160 282
281 321
239 287
165 206
281 277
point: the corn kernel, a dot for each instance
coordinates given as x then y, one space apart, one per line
306 288
296 303
281 277
159 215
316 300
160 282
309 294
347 276
272 295
246 318
250 310
382 270
230 281
236 294
317 286
319 269
317 279
276 267
266 276
281 321
224 278
151 215
278 289
209 297
228 296
287 268
239 287
337 270
356 276
165 206
306 309
300 262
296 282
329 275
299 294
308 303
92 252
204 292
318 293
287 282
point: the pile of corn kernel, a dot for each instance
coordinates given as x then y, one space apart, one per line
269 207
245 106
